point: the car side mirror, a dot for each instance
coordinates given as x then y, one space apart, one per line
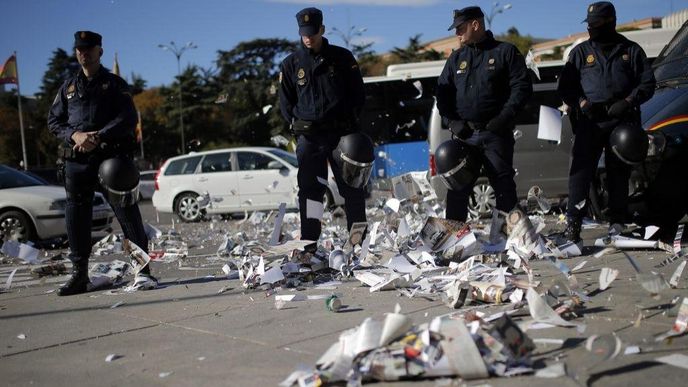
275 165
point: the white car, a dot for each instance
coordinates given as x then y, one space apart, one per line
237 180
31 210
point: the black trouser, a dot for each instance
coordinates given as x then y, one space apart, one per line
313 153
497 151
81 180
590 140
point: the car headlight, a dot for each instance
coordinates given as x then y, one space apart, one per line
60 204
656 144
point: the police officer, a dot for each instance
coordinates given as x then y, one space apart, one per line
483 86
604 81
321 95
94 116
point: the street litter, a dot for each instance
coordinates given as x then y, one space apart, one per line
112 357
8 283
14 249
681 323
675 359
394 349
50 269
103 275
607 276
624 242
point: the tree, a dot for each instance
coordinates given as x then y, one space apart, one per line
10 137
523 43
199 91
138 84
415 52
248 76
60 67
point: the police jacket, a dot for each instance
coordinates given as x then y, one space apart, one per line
623 73
326 87
483 80
102 104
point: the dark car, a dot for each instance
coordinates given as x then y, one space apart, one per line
659 186
47 175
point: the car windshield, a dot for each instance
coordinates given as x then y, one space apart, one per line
12 178
286 156
672 63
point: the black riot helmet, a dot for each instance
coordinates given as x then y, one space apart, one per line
354 156
629 143
458 164
119 178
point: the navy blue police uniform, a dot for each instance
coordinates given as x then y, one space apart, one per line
321 95
480 91
103 104
612 73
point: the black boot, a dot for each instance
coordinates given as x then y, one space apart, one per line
78 283
573 230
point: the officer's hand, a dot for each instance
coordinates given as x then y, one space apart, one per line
619 108
588 109
460 129
85 141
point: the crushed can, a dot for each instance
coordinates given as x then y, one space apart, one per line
333 303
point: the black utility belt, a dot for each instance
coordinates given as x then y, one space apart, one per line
477 126
328 125
66 152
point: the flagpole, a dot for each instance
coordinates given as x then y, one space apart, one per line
138 124
21 118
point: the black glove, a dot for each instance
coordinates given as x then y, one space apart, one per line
302 127
499 123
619 108
460 129
592 111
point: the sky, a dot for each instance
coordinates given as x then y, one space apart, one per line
134 28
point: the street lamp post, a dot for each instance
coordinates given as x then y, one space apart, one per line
496 9
178 51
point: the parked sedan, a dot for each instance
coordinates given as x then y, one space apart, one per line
237 179
31 210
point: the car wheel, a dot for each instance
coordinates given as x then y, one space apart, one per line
17 226
187 207
482 200
598 197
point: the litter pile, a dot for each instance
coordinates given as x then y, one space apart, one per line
406 247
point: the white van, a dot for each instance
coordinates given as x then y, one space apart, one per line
536 162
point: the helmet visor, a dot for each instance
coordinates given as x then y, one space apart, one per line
354 173
122 198
458 177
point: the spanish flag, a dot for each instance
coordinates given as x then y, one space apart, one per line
8 71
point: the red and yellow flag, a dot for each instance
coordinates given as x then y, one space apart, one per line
8 71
